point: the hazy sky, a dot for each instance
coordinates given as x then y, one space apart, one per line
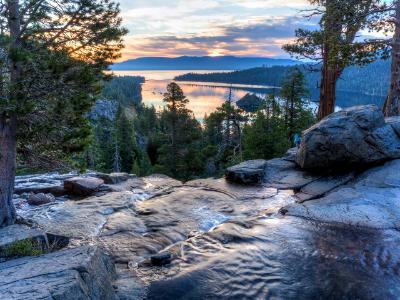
210 27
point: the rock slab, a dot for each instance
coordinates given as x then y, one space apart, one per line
248 172
115 178
372 200
82 186
354 137
80 273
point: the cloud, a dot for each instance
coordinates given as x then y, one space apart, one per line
209 27
258 39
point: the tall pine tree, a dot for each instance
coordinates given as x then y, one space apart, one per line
181 135
53 55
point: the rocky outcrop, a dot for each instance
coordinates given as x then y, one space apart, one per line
103 108
40 199
247 172
283 174
354 137
372 200
80 273
82 186
322 186
165 236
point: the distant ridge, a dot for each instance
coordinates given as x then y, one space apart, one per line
200 63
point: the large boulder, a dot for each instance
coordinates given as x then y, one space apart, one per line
82 186
357 136
247 172
80 273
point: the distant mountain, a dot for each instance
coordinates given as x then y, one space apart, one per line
200 63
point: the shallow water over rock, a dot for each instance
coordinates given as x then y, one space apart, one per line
232 241
282 258
137 223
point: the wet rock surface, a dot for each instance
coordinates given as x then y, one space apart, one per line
395 123
43 183
170 240
286 234
40 198
372 200
322 186
288 258
115 178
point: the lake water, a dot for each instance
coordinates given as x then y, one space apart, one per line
204 97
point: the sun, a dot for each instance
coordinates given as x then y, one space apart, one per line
216 52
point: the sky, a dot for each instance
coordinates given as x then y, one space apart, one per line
171 28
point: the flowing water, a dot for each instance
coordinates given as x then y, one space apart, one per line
284 259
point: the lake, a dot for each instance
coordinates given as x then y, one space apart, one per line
204 97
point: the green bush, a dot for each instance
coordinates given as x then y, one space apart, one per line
28 247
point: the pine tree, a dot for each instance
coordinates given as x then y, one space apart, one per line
53 55
223 134
266 136
180 133
296 113
126 140
335 44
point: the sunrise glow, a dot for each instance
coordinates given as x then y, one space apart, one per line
210 27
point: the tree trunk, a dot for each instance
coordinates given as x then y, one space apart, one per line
392 104
327 100
8 122
330 73
7 169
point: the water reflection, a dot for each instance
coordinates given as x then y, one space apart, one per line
205 97
284 258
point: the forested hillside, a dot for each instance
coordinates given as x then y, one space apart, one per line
126 90
358 85
130 137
